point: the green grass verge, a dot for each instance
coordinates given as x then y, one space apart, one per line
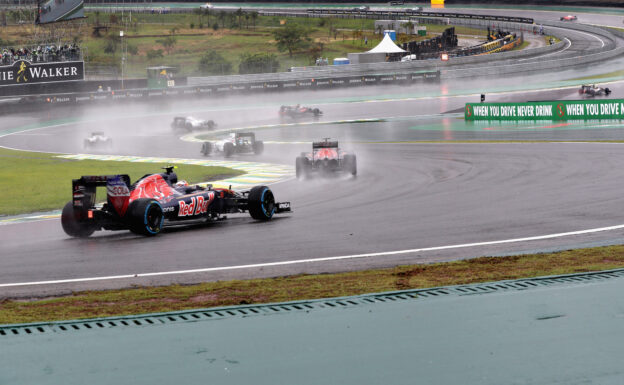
35 182
614 74
171 298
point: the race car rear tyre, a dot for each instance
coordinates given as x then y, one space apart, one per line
351 164
206 148
301 167
228 149
261 203
258 147
188 126
146 217
74 222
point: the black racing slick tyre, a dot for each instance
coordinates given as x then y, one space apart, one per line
607 91
146 217
261 203
350 164
206 148
258 147
316 112
228 149
74 222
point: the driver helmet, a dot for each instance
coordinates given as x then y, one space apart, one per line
182 183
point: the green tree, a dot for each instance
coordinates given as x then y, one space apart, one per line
291 37
222 15
258 63
212 63
239 13
170 41
409 26
111 44
154 54
316 51
254 17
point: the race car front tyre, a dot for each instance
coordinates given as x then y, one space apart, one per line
146 217
607 91
258 147
211 124
206 148
261 203
74 222
350 162
228 149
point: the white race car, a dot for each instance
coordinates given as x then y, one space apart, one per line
239 142
98 139
190 123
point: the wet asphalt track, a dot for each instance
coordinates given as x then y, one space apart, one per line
406 196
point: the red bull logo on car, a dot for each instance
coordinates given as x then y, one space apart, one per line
198 205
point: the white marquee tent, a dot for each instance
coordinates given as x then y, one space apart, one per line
386 46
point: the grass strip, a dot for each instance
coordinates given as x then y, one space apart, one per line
35 182
93 304
614 74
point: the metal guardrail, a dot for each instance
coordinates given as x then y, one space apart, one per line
214 90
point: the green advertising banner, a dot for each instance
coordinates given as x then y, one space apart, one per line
547 110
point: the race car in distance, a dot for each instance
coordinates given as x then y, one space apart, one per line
98 140
362 8
297 111
568 18
236 142
155 201
190 123
326 158
592 90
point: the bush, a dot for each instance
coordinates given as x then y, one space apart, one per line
154 54
258 63
193 26
215 26
111 44
212 63
132 49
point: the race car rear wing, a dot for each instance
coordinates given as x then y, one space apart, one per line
84 189
324 145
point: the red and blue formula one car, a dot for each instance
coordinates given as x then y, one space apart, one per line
326 158
157 200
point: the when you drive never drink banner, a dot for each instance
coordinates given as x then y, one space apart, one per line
547 110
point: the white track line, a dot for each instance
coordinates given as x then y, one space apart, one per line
312 260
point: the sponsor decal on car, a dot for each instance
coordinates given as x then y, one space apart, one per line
197 206
118 194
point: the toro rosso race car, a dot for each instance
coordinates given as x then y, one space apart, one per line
327 158
594 91
297 111
157 200
99 140
190 123
238 142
